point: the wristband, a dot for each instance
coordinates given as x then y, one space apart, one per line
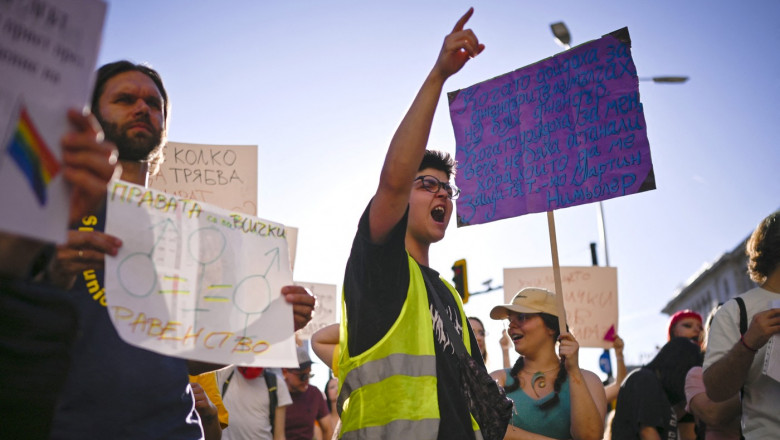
742 340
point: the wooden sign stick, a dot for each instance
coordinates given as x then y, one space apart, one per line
556 273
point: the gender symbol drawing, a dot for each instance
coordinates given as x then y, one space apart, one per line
136 272
252 295
195 281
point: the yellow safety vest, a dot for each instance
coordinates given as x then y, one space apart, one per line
389 391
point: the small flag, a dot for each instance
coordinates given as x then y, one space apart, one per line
33 156
610 335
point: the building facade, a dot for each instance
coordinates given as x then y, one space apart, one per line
714 284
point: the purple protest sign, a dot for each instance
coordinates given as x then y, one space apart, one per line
565 131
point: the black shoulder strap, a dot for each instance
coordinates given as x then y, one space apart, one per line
227 382
742 315
273 399
742 330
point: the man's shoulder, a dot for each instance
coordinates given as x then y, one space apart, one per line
759 297
314 393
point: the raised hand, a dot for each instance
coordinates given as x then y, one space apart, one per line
90 162
505 341
762 327
569 350
459 46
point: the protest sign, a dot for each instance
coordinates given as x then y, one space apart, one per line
324 311
590 294
223 175
48 51
565 131
196 281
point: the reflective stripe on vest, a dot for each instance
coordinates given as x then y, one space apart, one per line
398 429
375 371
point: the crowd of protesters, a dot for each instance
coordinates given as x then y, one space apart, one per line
397 372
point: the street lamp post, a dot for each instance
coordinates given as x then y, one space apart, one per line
563 38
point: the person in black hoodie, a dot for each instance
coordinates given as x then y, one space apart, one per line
653 397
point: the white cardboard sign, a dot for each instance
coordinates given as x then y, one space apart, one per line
196 281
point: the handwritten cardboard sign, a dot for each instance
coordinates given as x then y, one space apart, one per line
195 281
590 294
565 131
48 51
324 310
222 175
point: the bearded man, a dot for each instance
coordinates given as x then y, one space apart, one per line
114 389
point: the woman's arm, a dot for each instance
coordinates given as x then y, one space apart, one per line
323 341
612 389
279 417
588 406
588 401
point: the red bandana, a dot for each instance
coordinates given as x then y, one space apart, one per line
250 372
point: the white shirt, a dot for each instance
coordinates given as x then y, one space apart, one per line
247 404
760 410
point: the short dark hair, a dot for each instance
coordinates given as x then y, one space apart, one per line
438 160
763 248
110 70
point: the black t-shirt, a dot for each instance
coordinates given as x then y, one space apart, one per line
375 286
642 402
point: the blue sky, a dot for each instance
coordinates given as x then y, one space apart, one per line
321 87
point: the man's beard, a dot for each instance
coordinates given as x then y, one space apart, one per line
136 149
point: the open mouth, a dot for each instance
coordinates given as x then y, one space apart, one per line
516 337
437 214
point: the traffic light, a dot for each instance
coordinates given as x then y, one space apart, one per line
461 279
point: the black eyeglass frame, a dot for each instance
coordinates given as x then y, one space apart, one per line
427 183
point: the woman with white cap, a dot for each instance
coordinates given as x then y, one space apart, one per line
553 397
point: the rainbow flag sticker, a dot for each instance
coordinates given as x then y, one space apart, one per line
33 156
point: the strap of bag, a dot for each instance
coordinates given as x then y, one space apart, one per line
460 348
742 315
273 399
742 330
227 382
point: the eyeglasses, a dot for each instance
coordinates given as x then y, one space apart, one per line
432 184
519 318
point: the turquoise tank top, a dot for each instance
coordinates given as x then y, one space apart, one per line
554 422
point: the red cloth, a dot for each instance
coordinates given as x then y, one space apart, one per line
250 372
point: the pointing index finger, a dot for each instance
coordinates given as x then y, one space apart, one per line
462 22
